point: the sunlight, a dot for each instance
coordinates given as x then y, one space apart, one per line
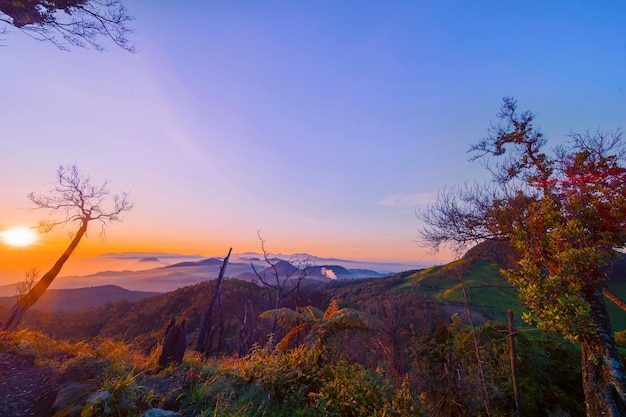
19 237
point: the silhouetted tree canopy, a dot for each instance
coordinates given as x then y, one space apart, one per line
70 23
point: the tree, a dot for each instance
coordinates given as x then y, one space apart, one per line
70 23
282 277
77 201
564 214
30 278
205 324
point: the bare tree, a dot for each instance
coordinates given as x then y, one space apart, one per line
76 201
30 278
205 324
248 325
284 277
70 23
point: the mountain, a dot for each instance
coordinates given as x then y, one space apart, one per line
433 291
81 298
189 272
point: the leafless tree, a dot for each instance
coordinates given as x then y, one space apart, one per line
203 346
73 200
70 23
284 277
248 325
30 278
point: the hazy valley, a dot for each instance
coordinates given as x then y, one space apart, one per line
163 272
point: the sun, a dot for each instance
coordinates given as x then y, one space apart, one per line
19 237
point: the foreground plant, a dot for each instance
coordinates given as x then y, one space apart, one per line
119 395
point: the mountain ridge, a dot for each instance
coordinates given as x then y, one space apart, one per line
166 278
80 298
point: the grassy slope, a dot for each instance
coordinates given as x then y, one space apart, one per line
490 293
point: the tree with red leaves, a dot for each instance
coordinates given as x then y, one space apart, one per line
565 215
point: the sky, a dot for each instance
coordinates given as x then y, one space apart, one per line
321 125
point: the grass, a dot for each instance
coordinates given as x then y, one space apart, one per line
120 381
487 290
104 369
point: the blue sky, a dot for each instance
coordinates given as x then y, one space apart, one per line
322 124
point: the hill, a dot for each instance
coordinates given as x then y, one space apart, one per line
81 298
418 335
242 301
489 294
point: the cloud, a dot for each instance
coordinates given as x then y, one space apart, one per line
407 200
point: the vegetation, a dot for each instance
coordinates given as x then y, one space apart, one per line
563 214
70 23
407 357
108 378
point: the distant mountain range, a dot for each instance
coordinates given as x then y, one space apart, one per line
134 259
168 276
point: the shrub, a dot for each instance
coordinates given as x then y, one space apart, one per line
350 390
118 396
287 378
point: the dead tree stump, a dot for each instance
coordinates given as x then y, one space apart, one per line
174 345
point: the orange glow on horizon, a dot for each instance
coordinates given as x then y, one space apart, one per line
85 260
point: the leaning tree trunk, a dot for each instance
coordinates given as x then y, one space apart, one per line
604 378
24 303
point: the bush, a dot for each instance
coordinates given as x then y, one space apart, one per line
287 378
350 390
118 396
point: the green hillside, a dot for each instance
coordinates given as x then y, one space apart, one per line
487 291
492 295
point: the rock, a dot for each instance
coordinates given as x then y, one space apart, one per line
157 412
71 398
98 397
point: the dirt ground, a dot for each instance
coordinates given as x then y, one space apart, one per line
25 388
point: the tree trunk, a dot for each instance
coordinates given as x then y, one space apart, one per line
205 323
604 378
17 312
512 352
613 297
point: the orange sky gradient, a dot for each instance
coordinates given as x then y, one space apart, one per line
15 261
